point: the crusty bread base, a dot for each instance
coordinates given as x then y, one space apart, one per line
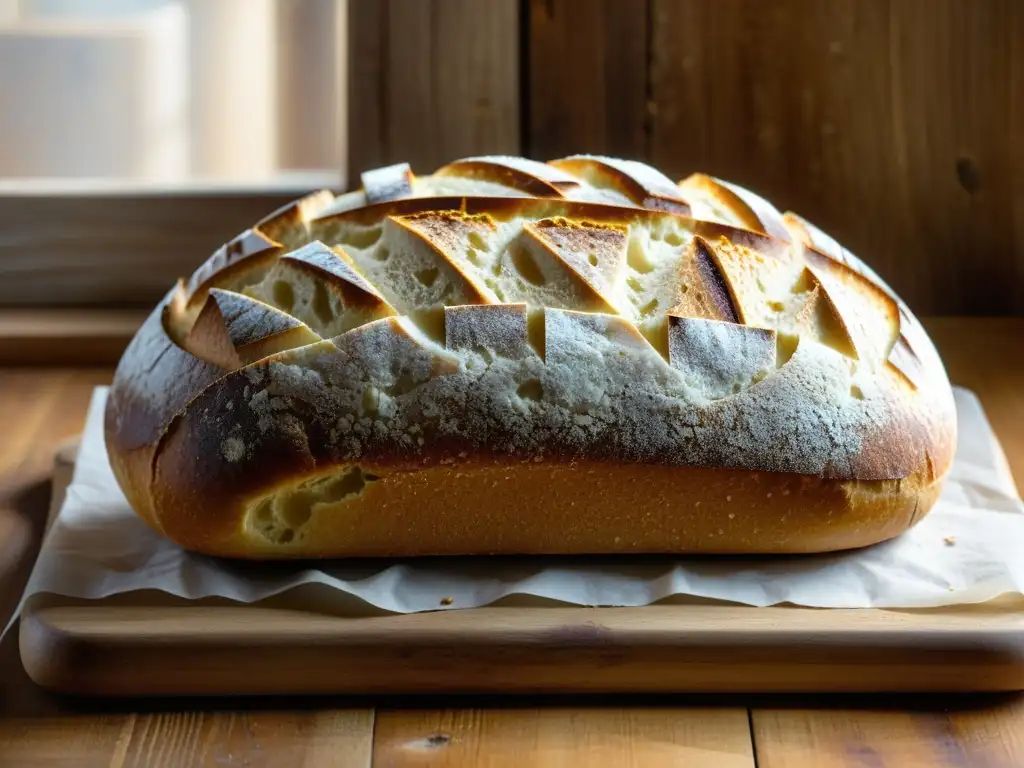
588 508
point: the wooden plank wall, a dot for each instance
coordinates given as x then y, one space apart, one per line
432 79
897 125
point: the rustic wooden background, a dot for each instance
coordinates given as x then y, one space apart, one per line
896 125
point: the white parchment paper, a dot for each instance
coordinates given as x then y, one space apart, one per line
969 549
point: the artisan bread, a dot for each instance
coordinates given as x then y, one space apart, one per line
516 357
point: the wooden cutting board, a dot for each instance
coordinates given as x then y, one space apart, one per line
154 645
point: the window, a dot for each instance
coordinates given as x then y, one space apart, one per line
138 135
172 92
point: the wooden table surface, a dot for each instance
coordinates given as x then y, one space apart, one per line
40 407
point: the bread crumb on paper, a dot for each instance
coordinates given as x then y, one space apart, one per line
447 600
950 541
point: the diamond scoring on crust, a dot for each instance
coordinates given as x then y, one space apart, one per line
233 330
707 292
642 184
251 249
563 237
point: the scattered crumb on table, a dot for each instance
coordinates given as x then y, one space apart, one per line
446 601
950 541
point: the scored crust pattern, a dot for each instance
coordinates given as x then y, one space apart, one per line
584 308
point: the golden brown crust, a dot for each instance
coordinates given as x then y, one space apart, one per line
233 330
568 508
439 230
249 250
742 206
530 177
642 184
588 256
609 376
819 317
288 225
706 292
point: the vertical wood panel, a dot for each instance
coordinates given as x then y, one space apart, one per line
476 78
366 118
432 80
411 105
894 124
588 78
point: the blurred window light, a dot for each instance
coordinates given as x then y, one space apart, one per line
171 92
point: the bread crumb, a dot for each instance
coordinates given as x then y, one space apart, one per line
785 491
732 515
728 498
769 494
447 600
950 541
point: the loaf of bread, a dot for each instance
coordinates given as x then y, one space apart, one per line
517 357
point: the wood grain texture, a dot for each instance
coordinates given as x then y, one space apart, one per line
146 646
588 78
366 113
117 248
979 734
323 739
640 737
894 125
432 80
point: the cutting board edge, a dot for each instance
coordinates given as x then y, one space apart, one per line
531 650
